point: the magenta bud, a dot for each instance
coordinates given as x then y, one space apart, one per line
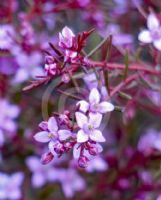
83 161
65 78
46 158
67 113
68 145
59 148
43 125
49 59
93 151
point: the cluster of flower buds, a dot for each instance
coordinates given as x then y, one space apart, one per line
83 137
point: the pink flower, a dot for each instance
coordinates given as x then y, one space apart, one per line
97 164
8 126
94 104
10 186
153 33
159 197
89 127
52 134
71 182
5 36
149 141
66 38
41 174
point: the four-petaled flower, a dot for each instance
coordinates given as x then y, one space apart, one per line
10 185
52 134
153 33
89 127
94 104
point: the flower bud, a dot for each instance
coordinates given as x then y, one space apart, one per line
46 158
49 59
65 78
59 148
43 125
93 151
68 145
83 161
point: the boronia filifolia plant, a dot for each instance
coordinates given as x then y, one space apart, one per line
78 130
95 95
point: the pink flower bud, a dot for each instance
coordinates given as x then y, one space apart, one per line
43 125
65 78
83 161
49 59
93 151
47 158
59 148
68 145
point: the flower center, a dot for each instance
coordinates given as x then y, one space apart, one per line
52 135
94 107
88 128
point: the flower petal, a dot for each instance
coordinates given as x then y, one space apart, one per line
145 37
17 178
99 148
51 147
64 134
2 139
83 105
15 193
52 124
97 136
152 22
81 119
81 136
67 32
70 54
94 96
157 44
42 136
38 179
95 119
76 151
33 163
105 106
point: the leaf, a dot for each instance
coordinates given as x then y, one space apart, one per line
57 51
37 83
126 61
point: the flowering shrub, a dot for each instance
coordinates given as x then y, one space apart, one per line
80 99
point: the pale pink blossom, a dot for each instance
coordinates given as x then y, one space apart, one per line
97 164
95 104
89 127
10 186
153 33
52 134
71 182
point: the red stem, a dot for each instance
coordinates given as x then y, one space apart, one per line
135 66
124 83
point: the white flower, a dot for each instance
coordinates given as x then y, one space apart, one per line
153 33
89 127
94 104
